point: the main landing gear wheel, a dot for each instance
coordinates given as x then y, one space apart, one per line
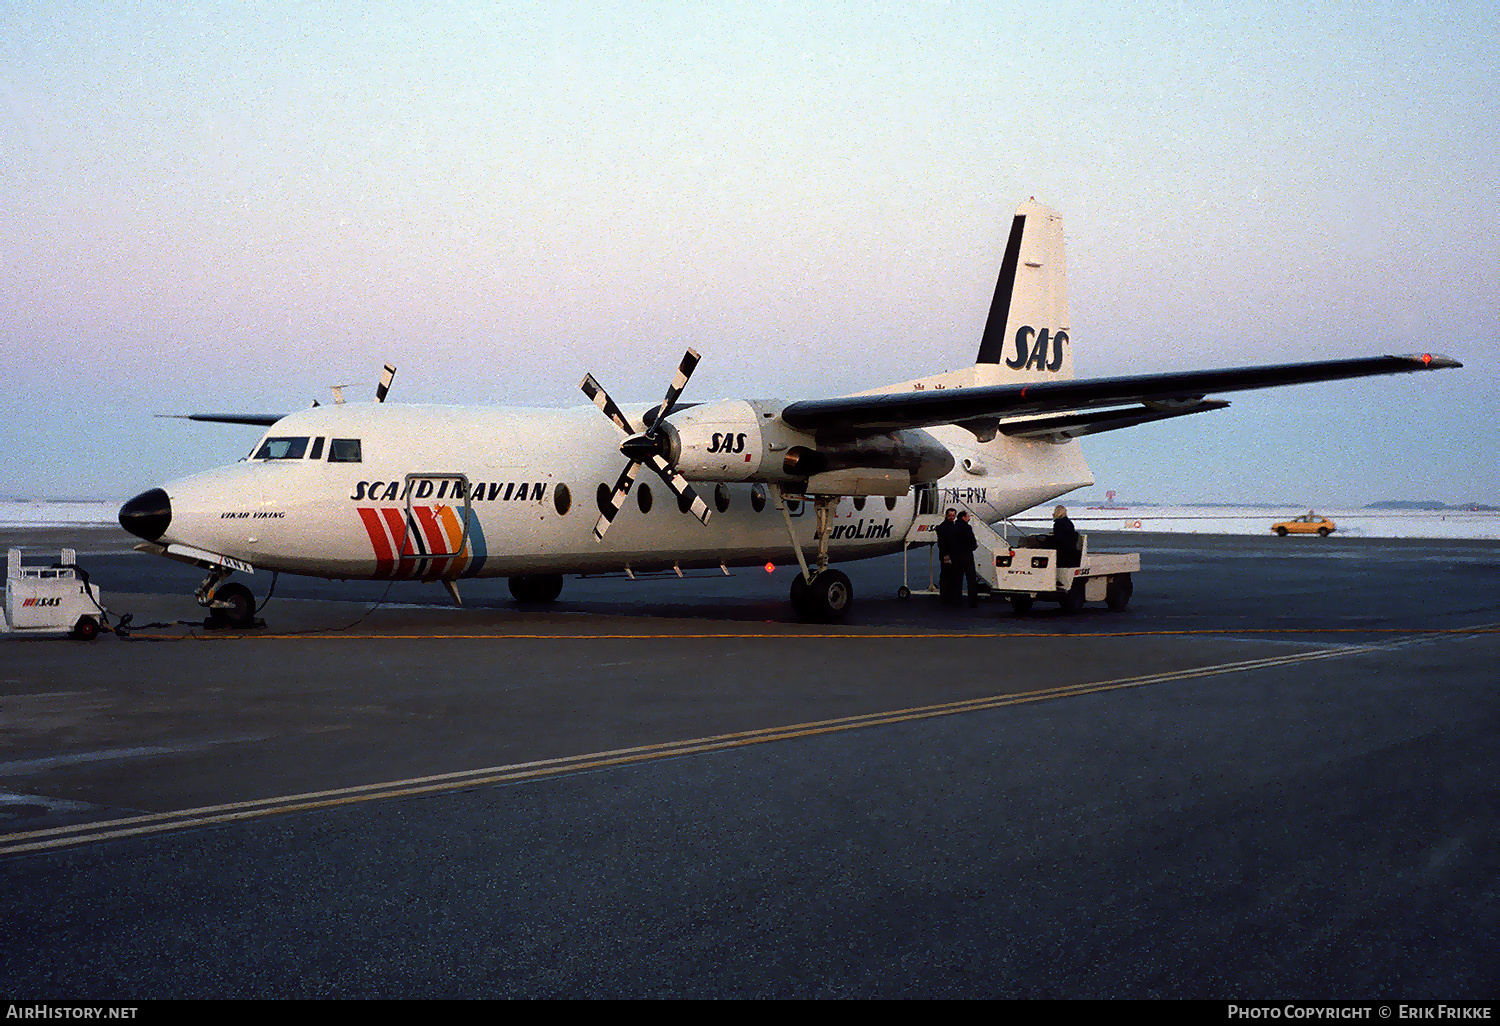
824 599
234 606
536 587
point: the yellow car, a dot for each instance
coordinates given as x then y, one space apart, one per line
1308 523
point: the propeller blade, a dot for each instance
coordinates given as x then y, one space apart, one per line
601 399
679 382
675 481
646 447
616 499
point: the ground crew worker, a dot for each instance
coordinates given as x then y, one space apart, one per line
966 562
1065 537
950 543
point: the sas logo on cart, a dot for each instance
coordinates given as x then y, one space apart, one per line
1038 350
424 542
42 602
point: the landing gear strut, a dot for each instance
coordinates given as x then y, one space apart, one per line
821 595
228 605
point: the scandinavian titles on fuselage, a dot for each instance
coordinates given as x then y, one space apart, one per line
425 488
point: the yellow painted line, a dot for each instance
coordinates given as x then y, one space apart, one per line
70 836
334 635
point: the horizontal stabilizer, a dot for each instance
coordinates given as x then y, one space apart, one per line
260 419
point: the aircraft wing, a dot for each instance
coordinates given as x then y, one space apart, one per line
981 408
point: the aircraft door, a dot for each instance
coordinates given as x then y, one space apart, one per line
442 537
432 507
927 499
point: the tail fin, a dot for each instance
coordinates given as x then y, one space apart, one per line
1026 336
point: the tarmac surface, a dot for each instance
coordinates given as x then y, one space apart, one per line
1273 776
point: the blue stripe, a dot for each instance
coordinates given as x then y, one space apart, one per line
476 543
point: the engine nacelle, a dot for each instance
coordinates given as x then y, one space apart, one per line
734 440
740 440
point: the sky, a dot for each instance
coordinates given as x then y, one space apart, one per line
229 207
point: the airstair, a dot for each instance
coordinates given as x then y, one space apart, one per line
923 531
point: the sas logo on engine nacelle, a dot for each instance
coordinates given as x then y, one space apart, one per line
727 441
1033 348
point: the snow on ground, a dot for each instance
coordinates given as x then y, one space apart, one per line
1357 523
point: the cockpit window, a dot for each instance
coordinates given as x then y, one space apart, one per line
282 449
344 450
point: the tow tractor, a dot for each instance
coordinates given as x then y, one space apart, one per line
1023 569
56 599
1027 572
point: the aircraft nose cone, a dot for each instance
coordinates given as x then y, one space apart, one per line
147 515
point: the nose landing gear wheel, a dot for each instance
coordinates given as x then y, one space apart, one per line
237 609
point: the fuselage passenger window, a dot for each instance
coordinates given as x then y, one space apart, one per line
344 450
282 449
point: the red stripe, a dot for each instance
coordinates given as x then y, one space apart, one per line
384 558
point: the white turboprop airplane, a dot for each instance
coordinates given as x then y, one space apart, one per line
440 493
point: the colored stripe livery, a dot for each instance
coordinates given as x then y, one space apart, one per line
427 543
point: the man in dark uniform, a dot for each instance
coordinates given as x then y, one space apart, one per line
966 562
1065 537
950 543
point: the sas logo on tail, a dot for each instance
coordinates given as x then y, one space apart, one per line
1033 347
426 542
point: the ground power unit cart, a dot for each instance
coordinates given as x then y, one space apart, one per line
56 599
